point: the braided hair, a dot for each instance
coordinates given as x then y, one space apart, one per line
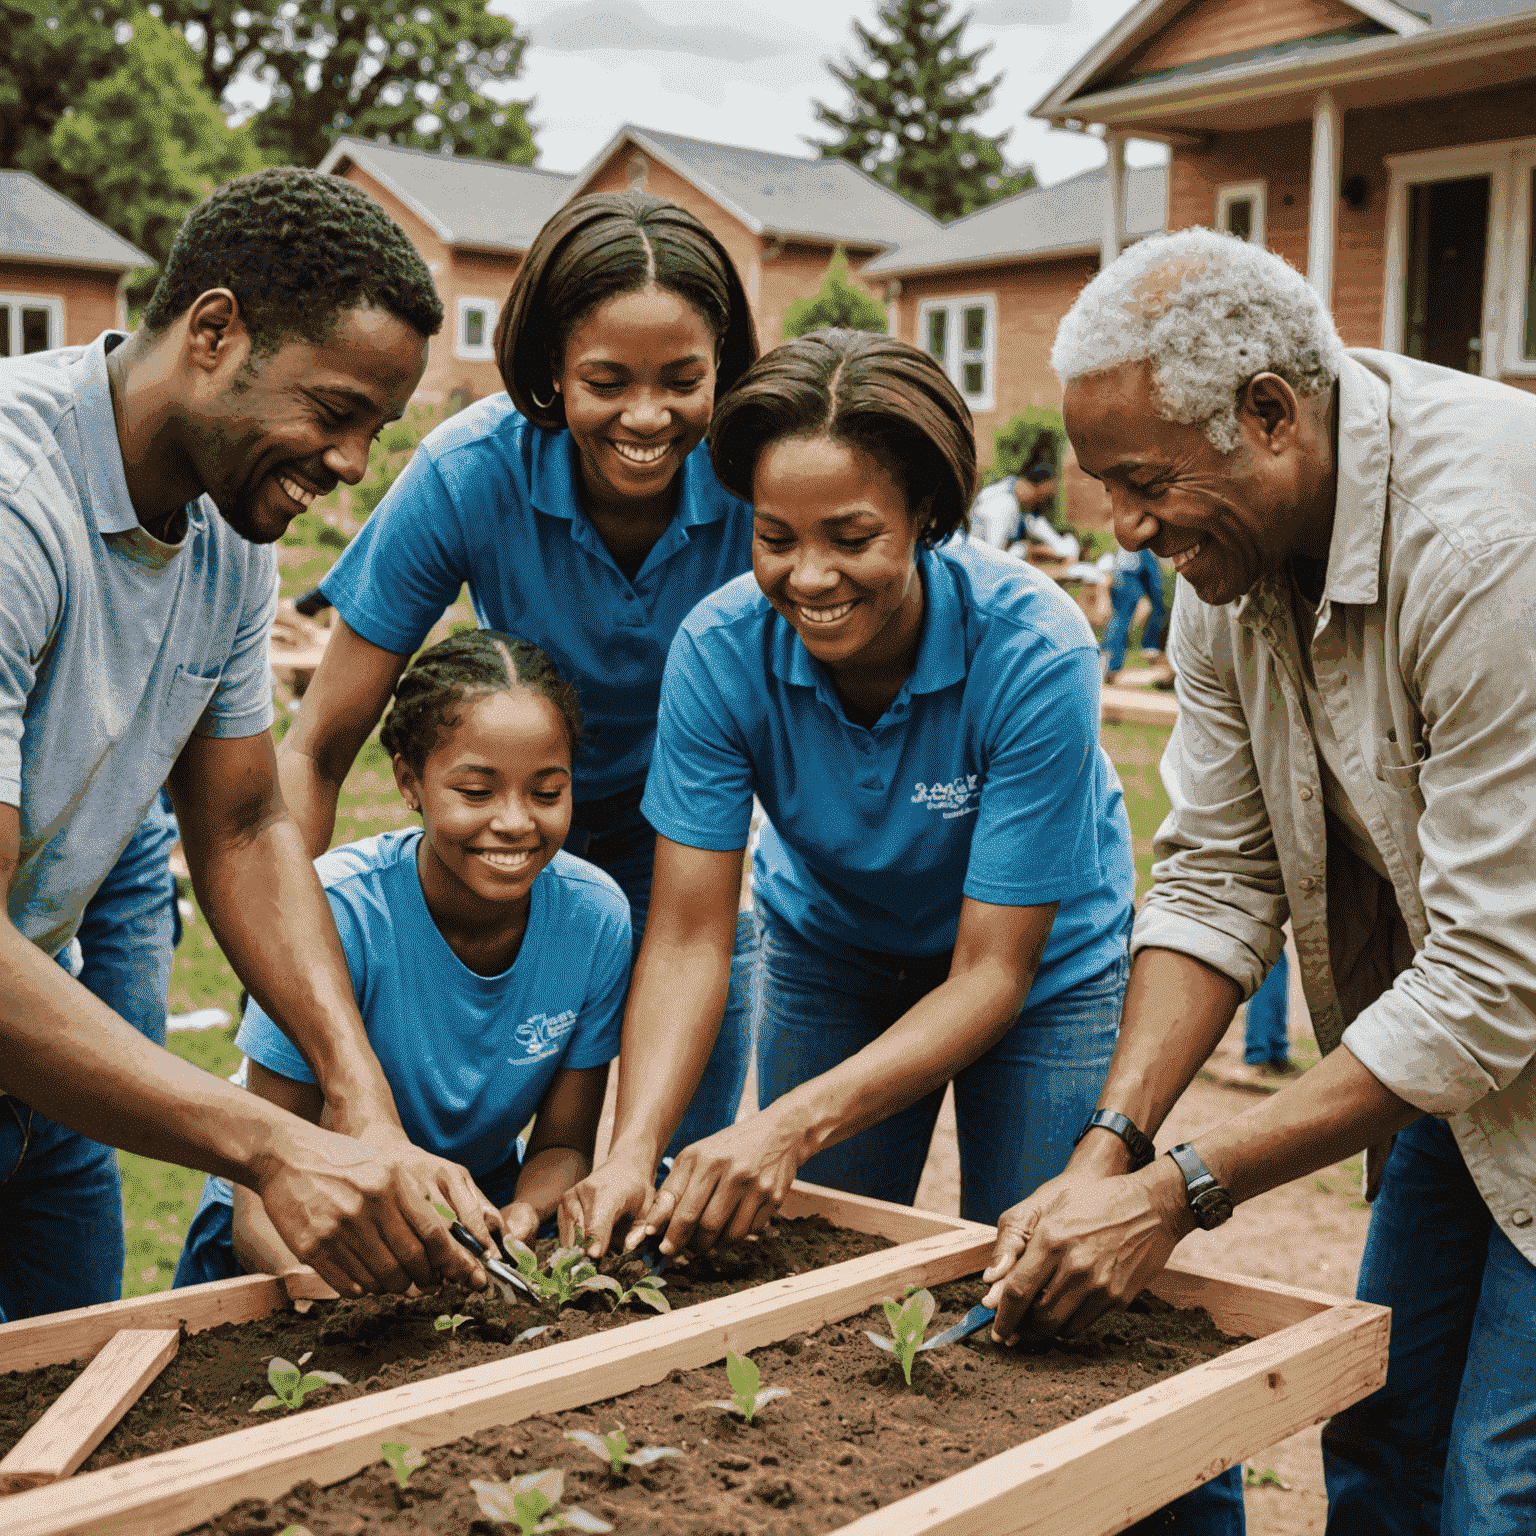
468 666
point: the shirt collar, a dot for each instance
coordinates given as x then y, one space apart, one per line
554 489
111 505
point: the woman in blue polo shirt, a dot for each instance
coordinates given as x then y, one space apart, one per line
581 508
490 968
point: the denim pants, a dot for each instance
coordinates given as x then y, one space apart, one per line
1266 1036
1146 580
1448 1446
612 834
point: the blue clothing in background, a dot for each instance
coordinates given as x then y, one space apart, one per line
984 777
492 500
1136 576
1266 1032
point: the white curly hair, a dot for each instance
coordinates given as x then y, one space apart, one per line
1208 311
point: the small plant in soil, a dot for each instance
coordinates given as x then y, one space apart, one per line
908 1320
646 1290
614 1449
450 1325
401 1460
290 1386
529 1503
570 1273
746 1398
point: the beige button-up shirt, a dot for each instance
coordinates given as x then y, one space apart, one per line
1424 657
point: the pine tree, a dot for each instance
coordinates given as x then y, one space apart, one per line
913 96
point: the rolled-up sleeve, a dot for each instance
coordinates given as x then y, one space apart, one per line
1219 895
1460 1021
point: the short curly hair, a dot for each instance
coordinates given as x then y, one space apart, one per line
296 248
1209 312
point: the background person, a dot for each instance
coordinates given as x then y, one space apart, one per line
1137 575
141 480
582 510
1355 750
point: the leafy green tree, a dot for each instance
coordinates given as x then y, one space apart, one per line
914 95
838 302
395 70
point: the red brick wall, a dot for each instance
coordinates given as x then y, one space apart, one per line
90 299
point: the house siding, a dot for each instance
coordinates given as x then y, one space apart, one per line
92 300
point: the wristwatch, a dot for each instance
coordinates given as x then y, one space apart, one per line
1209 1203
1109 1120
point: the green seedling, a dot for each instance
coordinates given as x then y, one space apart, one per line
290 1386
646 1290
529 1503
446 1324
743 1376
401 1460
908 1320
570 1273
614 1449
294 1530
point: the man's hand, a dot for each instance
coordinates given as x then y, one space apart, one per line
520 1222
617 1191
1080 1245
452 1183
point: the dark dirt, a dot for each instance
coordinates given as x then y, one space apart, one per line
850 1437
378 1342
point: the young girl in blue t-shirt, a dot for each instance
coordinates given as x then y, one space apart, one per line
490 968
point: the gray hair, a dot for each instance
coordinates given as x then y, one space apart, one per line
1208 311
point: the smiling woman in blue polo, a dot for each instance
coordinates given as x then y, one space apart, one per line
945 887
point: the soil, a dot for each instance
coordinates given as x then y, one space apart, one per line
852 1436
378 1342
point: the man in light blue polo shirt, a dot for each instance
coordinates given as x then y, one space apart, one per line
142 482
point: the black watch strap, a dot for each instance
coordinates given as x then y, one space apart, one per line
1209 1203
1126 1129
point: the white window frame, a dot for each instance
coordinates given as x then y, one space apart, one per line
984 400
1507 164
16 302
1255 192
461 348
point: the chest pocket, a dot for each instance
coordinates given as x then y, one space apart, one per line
1393 771
179 710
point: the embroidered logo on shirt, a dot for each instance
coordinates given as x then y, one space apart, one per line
542 1034
960 797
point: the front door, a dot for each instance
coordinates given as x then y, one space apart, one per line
1447 258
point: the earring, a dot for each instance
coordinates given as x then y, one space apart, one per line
545 405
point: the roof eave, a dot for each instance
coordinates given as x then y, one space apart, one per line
85 263
1003 258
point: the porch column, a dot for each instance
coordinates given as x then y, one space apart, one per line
1323 215
1114 203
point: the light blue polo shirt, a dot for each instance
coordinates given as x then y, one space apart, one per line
491 500
114 647
468 1057
984 777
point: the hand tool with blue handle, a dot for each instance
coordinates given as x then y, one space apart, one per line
978 1317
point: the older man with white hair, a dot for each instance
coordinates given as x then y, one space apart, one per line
1356 750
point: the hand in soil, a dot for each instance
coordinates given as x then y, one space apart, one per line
609 1198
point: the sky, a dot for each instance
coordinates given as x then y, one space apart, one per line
742 74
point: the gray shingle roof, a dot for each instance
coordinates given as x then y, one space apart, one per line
482 205
788 196
39 224
1045 221
1450 13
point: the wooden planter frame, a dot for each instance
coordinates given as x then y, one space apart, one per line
1313 1355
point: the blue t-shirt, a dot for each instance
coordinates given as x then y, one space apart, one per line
491 499
468 1057
984 777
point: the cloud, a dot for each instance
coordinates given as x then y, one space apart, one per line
627 25
1023 13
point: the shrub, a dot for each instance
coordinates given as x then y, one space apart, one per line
838 302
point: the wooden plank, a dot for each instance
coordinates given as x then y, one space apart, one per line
1253 1308
1115 1466
31 1342
858 1213
79 1418
1135 706
176 1489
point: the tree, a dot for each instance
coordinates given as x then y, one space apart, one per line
913 97
838 302
395 70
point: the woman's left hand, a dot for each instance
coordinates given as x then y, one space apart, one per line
725 1186
520 1222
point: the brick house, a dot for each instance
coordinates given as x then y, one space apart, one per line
473 221
61 271
1388 153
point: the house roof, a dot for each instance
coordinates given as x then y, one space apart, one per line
482 205
1045 221
784 196
39 224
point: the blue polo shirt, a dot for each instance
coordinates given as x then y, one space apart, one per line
984 777
491 500
468 1057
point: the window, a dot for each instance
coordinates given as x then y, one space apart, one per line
962 335
477 327
29 322
1240 210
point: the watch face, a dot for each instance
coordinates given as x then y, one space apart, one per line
1212 1208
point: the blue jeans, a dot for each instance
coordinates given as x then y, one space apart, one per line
612 834
1448 1446
1266 1036
1128 589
